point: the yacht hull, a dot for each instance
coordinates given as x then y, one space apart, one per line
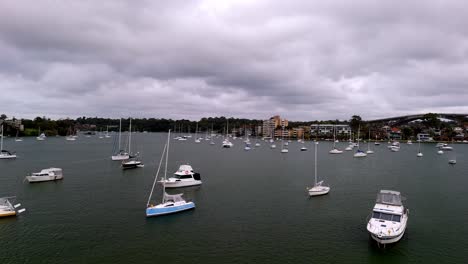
155 211
179 184
7 156
386 239
33 179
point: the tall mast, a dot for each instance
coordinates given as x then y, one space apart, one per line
120 132
316 143
130 137
165 167
357 139
334 136
1 144
156 176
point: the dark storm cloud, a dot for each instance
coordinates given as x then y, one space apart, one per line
301 59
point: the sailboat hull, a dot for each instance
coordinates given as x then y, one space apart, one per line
120 157
317 191
168 209
7 156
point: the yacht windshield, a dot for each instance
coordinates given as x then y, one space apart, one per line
387 217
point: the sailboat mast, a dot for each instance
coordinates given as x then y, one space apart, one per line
1 144
316 143
334 136
156 176
130 137
165 167
120 132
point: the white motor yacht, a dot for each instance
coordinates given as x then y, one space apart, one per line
227 143
184 177
395 148
446 147
50 174
389 218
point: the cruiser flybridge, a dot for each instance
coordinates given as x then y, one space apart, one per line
389 218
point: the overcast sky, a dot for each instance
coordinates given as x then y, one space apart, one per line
304 60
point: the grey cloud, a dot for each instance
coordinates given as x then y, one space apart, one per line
301 59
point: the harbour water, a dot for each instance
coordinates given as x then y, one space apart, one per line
252 207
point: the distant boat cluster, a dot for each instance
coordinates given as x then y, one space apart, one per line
386 224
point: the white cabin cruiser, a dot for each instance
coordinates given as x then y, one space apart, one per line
227 143
50 174
184 177
389 218
446 147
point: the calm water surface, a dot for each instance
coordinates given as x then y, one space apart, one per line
252 207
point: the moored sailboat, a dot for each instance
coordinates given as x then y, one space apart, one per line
5 154
318 188
170 203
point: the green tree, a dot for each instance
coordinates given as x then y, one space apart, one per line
354 122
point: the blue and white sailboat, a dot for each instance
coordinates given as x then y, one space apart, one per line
170 203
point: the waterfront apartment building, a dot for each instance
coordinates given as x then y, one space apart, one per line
298 132
270 125
324 129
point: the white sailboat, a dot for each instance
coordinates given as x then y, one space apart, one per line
318 188
303 148
211 136
197 140
41 136
369 151
70 135
132 162
5 154
107 133
17 138
359 153
419 149
335 150
283 149
226 142
170 203
121 154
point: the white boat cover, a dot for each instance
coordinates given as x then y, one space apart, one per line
173 197
389 197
